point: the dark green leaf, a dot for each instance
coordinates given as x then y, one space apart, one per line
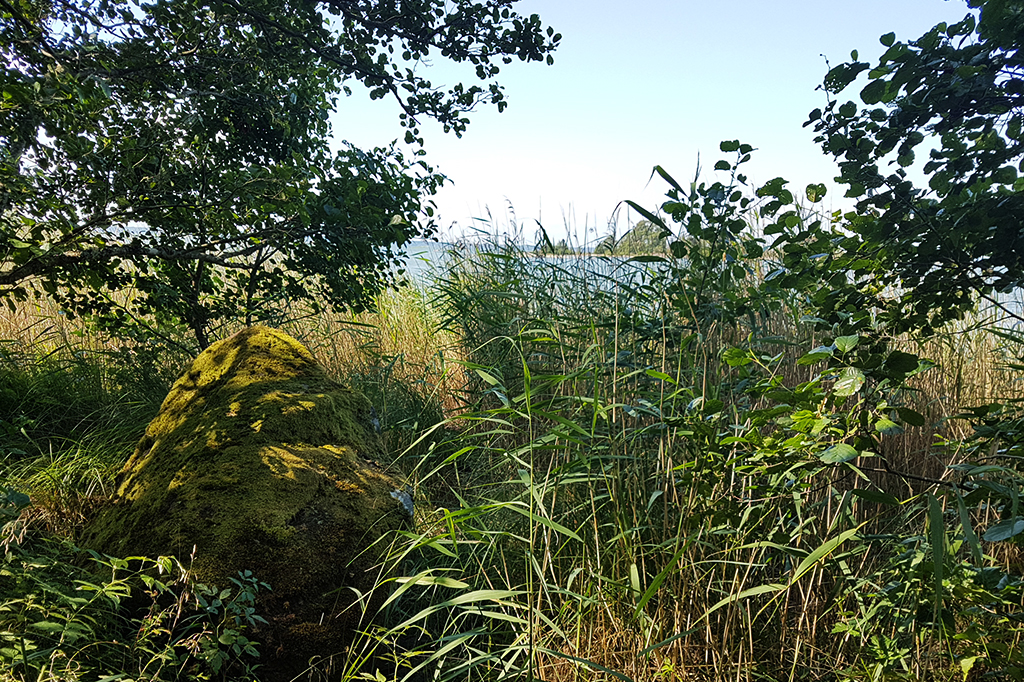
937 537
839 453
873 92
815 193
1004 530
910 416
901 362
968 529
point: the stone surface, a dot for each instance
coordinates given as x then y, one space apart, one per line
260 461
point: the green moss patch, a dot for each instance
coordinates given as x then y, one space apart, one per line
259 461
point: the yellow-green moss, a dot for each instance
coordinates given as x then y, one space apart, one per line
259 461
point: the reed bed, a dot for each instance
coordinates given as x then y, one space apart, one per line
644 549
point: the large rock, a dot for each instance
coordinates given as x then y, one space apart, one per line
261 462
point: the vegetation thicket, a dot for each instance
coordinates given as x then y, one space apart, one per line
787 447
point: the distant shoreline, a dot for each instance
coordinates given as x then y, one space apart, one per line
527 250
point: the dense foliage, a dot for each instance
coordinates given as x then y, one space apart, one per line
955 92
170 163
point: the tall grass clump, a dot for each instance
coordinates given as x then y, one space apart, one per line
590 477
72 407
397 356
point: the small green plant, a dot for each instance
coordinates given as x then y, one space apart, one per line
191 627
140 619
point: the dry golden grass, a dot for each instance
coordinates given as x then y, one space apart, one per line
401 338
40 326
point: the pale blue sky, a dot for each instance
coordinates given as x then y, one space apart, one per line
641 83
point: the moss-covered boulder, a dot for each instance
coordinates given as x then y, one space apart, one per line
261 462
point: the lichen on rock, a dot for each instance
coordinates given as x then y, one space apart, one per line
261 462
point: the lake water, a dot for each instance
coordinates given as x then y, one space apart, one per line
425 258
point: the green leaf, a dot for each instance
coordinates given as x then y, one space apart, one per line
1004 530
655 374
13 498
475 597
652 589
968 528
844 344
634 580
729 145
488 377
937 537
815 193
440 581
888 39
910 416
736 357
838 453
849 382
745 594
967 664
821 553
874 92
901 363
817 355
543 521
753 249
888 427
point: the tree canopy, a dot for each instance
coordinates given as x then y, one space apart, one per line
170 163
948 106
643 238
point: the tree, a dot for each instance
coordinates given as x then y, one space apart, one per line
959 87
169 163
559 248
643 238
